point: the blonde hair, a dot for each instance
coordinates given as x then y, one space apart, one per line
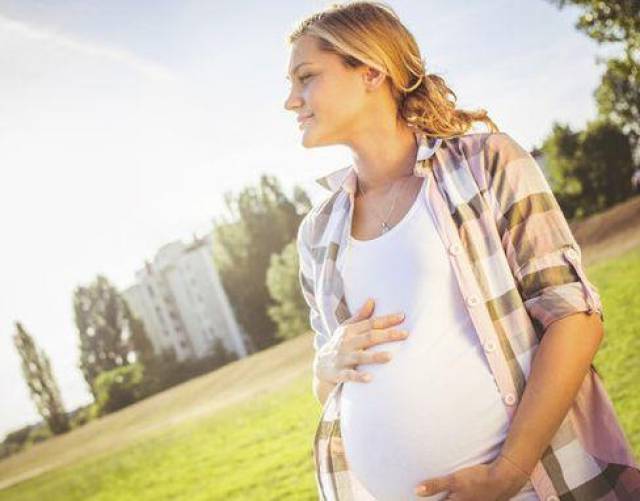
370 32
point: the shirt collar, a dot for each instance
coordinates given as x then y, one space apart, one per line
346 177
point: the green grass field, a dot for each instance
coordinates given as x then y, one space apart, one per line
618 282
261 448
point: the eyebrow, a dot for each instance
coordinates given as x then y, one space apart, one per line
296 68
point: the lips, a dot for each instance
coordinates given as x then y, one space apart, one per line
304 117
304 122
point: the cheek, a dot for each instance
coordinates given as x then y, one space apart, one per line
330 103
315 97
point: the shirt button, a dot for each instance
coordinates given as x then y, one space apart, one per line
455 249
510 399
572 254
472 300
489 346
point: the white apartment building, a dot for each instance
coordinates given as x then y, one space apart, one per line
180 299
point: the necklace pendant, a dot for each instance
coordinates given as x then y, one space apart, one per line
385 227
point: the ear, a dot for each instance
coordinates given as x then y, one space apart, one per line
372 78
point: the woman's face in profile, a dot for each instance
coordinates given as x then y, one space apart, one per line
324 89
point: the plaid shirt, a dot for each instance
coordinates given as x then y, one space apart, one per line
518 267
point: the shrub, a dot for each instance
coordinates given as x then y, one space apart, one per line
118 388
39 433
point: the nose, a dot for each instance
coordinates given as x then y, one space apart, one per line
288 102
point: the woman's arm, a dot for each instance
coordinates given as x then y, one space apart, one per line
564 306
559 367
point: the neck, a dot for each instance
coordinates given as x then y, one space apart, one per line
383 156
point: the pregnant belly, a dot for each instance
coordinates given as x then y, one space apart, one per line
421 416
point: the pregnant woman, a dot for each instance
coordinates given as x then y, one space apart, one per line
483 387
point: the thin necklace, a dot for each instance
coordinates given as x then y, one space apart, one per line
385 228
384 225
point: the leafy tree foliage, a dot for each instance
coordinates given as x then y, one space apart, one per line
262 221
290 313
118 388
36 370
589 170
610 21
104 327
617 22
618 97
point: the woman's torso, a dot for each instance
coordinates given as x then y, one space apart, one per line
435 407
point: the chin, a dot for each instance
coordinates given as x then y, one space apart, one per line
311 138
308 139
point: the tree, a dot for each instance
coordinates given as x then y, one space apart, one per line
36 370
103 328
262 221
610 21
139 340
290 311
560 149
604 166
589 170
618 96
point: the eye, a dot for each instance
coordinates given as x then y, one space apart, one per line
304 77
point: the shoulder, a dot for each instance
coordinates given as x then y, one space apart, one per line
493 151
486 143
501 150
480 150
501 143
496 161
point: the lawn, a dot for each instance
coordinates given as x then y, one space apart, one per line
261 448
618 359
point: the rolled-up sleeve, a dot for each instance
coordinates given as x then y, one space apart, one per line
543 255
305 276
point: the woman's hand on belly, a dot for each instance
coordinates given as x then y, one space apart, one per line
495 481
347 347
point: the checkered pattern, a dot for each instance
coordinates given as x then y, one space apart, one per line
519 269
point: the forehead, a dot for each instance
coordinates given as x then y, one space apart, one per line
304 50
305 45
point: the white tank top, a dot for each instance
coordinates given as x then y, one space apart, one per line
435 407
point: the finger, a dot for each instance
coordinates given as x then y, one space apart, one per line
377 336
433 486
363 313
353 375
369 357
382 322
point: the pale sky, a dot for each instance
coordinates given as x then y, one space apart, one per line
123 123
